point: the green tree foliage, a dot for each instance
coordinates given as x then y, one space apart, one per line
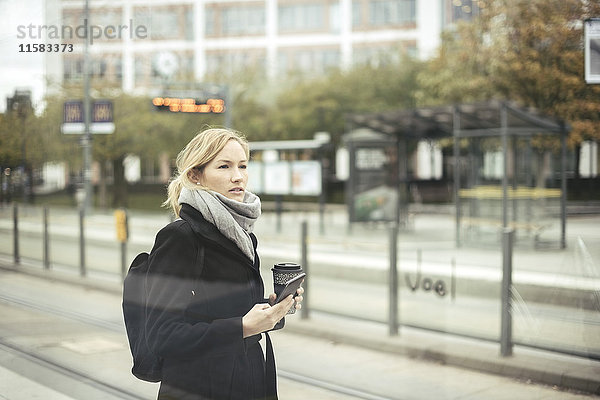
460 72
10 141
57 146
251 99
28 140
321 104
139 129
146 132
529 51
544 62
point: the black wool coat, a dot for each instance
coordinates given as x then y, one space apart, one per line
200 285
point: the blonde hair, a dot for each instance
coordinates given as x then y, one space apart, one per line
201 150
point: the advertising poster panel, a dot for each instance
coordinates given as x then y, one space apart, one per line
255 177
592 50
299 178
277 178
374 195
306 178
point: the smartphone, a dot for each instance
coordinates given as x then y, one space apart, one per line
290 287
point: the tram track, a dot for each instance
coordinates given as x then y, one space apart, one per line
68 372
112 326
72 315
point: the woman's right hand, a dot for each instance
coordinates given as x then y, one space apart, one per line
263 317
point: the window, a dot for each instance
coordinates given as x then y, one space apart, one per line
142 16
310 61
301 17
72 69
228 63
209 21
119 69
356 13
381 54
98 68
105 18
391 12
189 24
461 10
166 23
334 18
142 69
70 21
243 20
72 18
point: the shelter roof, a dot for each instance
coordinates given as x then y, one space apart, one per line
465 120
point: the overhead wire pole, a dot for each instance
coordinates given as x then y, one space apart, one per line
456 155
563 185
86 140
508 235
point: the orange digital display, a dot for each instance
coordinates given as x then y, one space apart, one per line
189 105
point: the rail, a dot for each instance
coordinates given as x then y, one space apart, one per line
454 289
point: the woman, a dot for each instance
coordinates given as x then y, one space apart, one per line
206 309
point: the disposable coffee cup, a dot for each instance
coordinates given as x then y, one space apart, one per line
283 273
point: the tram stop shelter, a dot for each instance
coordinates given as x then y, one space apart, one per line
519 193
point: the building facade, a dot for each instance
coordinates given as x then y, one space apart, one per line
139 45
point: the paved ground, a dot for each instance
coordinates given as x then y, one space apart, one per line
423 363
65 350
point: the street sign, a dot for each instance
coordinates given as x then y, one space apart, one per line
592 50
101 117
189 105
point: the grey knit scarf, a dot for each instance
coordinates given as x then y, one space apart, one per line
234 219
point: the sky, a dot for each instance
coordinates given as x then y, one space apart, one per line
20 70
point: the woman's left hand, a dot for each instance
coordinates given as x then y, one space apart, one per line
298 298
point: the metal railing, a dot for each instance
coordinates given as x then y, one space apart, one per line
394 279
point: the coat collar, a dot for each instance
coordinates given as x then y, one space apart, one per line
210 232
